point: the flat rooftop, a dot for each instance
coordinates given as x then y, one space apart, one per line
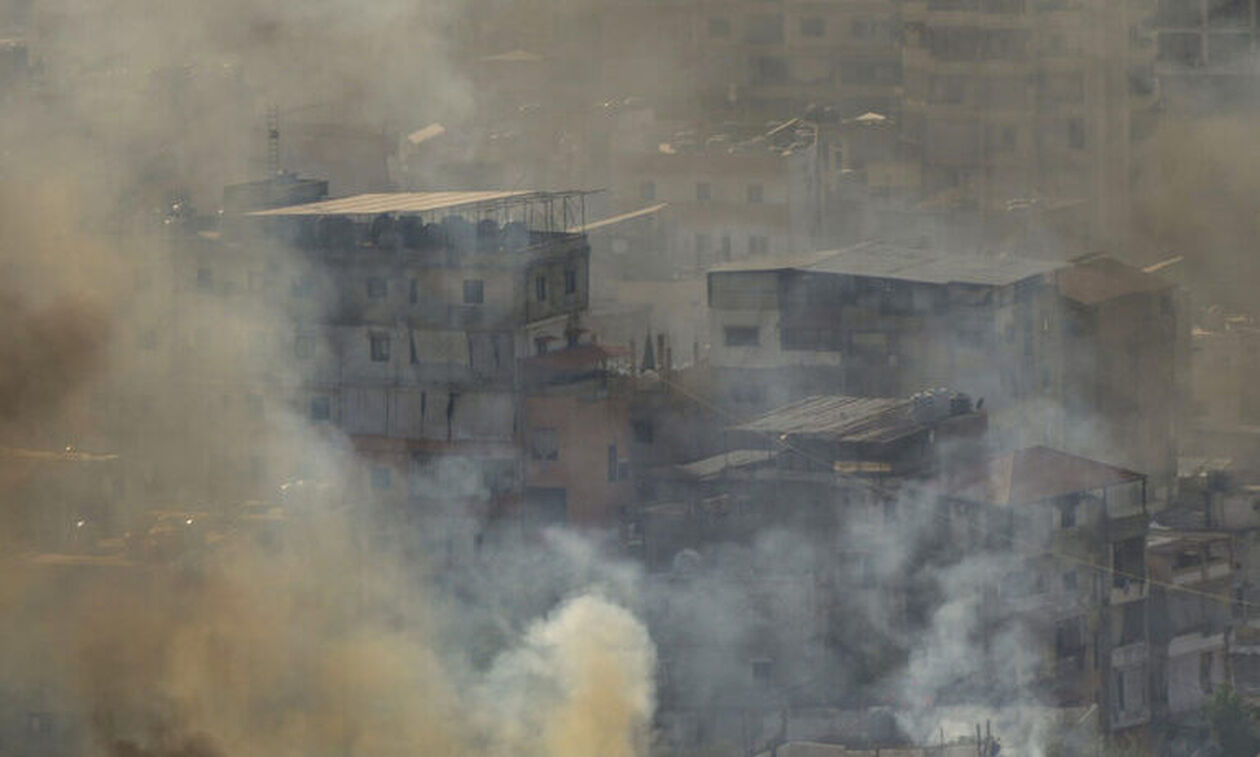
405 203
880 260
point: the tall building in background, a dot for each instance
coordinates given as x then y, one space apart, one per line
1022 112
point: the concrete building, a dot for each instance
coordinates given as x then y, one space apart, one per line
728 195
1077 530
1020 104
1204 53
1055 350
420 327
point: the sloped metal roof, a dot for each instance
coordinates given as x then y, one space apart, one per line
405 202
1036 474
850 419
881 260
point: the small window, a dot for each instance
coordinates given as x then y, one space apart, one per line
704 191
1067 515
304 346
540 345
647 190
1069 582
545 445
762 670
741 336
413 291
321 408
756 194
205 279
540 288
381 479
612 462
376 288
1076 133
380 347
1205 672
719 28
643 431
813 26
474 291
570 281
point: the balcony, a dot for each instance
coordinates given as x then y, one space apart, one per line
1124 590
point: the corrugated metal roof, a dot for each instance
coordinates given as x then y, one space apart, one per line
850 419
886 261
1036 474
613 220
1103 279
399 202
738 458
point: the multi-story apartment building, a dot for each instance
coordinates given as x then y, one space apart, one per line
405 323
728 195
1022 112
1055 350
1204 52
1078 590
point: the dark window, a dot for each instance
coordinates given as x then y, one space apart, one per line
762 670
1184 48
1128 562
769 69
756 194
540 345
205 279
1205 672
304 346
724 247
413 293
376 288
764 29
1076 133
1178 13
703 191
1229 13
813 26
1067 515
741 336
612 462
540 288
381 479
1120 690
719 28
643 431
1068 640
380 347
474 291
545 445
321 408
570 281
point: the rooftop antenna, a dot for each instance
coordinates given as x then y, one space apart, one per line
273 140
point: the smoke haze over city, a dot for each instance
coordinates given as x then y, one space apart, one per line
629 377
